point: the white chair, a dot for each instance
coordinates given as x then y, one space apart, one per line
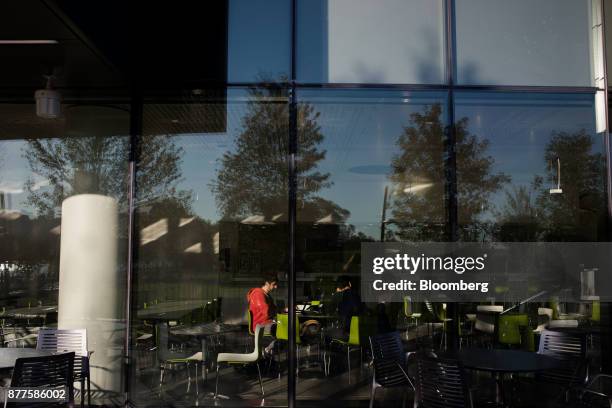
243 358
74 340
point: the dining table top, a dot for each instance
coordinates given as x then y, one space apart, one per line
505 361
30 312
8 355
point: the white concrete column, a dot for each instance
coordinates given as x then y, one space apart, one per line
91 283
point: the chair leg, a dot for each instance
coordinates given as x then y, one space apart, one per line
188 377
88 390
196 380
82 392
373 392
297 363
348 359
260 382
217 382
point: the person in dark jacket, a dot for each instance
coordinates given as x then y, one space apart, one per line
345 303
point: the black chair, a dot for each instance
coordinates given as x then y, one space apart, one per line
389 361
440 383
56 371
570 348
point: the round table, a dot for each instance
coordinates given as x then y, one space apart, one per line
501 362
8 356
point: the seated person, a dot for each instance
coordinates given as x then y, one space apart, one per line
261 305
346 304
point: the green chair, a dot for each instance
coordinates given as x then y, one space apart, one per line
352 344
595 311
509 332
410 314
282 334
438 312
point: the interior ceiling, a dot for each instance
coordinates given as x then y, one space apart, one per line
111 43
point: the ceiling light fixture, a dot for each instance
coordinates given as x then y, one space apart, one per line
27 42
48 101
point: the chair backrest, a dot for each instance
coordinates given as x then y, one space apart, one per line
490 308
568 347
509 328
259 332
440 383
595 311
388 358
282 328
50 372
408 306
485 321
63 340
354 332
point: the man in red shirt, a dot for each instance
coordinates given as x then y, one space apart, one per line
261 305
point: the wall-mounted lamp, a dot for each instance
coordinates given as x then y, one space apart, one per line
557 190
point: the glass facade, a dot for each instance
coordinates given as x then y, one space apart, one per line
170 222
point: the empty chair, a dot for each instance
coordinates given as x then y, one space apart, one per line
50 372
410 314
243 358
170 358
438 315
509 332
570 348
486 321
352 344
389 361
440 383
282 336
74 340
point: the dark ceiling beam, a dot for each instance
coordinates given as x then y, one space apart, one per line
57 11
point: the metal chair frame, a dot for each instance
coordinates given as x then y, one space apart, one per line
70 340
49 371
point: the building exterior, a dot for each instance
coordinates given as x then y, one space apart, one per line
197 146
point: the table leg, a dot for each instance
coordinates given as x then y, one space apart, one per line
499 390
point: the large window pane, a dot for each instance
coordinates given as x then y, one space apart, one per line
370 168
259 40
63 231
362 41
524 42
537 165
212 219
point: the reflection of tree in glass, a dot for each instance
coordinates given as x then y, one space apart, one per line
417 172
533 213
76 165
575 213
253 179
519 215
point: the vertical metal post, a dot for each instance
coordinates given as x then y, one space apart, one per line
606 308
135 133
293 150
384 215
450 162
